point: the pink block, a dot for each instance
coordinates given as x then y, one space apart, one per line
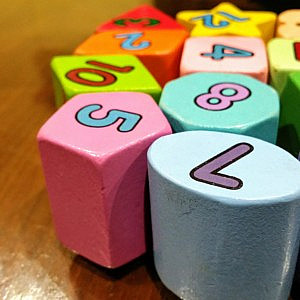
244 55
96 175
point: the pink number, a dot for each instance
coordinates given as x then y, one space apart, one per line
215 99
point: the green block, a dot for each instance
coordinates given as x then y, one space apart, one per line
222 102
283 60
289 126
73 75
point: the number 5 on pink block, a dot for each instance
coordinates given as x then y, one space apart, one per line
129 119
207 172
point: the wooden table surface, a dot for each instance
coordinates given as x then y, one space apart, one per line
33 264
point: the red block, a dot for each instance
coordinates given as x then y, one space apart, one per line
143 17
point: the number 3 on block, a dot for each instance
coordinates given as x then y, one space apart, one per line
219 53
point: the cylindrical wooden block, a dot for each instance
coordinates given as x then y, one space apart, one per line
225 216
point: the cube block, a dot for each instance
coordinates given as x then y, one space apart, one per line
73 75
141 18
284 58
225 214
231 54
227 19
93 152
152 47
222 102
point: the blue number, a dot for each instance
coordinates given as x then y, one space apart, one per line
208 20
130 120
131 38
219 53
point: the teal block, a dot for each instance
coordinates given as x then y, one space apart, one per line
73 75
222 102
225 212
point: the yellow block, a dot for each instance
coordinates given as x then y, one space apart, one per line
227 19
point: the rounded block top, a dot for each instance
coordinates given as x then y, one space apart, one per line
219 101
229 168
102 123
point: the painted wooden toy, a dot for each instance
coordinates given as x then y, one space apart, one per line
288 24
222 102
141 18
230 54
73 75
284 58
225 215
93 151
152 47
227 19
289 132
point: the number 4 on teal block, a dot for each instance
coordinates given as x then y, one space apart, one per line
219 53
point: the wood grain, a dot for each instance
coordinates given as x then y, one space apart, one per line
33 264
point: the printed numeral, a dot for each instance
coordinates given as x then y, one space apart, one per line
107 77
131 42
208 20
218 52
145 22
129 119
297 50
216 98
208 172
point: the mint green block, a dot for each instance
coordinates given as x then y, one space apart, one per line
134 78
282 61
289 125
254 111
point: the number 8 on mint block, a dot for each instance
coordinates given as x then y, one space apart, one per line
222 102
225 214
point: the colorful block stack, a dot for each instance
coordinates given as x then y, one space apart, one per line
225 199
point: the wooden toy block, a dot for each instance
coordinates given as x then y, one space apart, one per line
141 18
227 19
73 75
152 47
284 58
288 24
222 102
225 212
230 54
93 152
289 126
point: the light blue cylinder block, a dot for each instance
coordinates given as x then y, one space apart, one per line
214 242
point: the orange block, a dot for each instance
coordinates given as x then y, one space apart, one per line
288 24
160 51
